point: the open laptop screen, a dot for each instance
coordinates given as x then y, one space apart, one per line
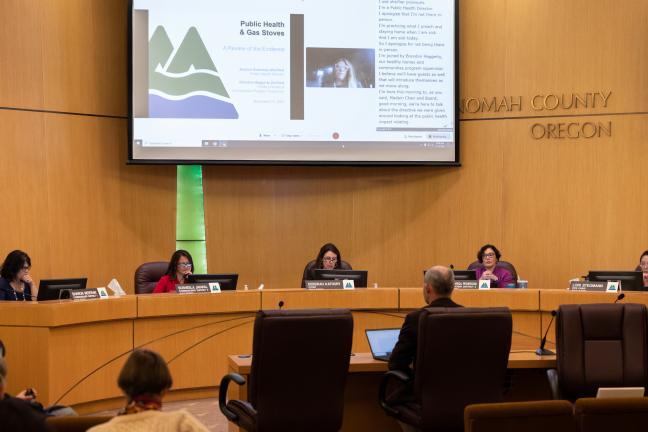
382 342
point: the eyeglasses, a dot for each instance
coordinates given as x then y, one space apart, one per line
26 267
489 255
185 265
329 259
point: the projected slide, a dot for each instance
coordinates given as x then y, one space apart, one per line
303 81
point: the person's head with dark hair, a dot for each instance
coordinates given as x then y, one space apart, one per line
15 266
16 415
643 261
438 283
643 265
145 373
180 265
488 255
328 257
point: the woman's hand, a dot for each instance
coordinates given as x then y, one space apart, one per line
185 276
489 275
27 394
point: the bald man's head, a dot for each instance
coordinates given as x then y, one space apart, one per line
439 282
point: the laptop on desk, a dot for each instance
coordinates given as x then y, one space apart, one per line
382 342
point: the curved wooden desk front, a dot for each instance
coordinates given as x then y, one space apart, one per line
71 352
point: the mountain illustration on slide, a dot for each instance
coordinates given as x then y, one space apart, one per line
185 84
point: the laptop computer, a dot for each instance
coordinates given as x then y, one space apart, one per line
619 392
382 342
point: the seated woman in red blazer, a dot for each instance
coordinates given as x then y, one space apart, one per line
180 267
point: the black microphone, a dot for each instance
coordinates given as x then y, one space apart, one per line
451 266
542 351
619 297
281 303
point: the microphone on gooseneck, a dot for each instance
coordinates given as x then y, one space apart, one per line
619 297
280 304
542 351
451 266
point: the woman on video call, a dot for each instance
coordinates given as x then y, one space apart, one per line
343 75
180 266
15 281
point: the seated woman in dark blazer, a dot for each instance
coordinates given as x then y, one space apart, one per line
15 281
328 258
180 266
488 256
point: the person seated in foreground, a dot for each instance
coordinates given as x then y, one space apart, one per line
29 395
180 267
17 413
488 255
328 258
438 285
144 379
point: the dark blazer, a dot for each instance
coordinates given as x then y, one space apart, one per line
8 293
404 353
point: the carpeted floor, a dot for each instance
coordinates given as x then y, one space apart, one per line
205 410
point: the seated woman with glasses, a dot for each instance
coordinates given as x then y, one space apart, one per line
328 258
643 267
488 256
15 281
179 268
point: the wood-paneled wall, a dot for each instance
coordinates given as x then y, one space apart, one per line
69 199
555 208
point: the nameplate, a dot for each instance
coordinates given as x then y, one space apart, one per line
324 284
600 286
89 294
465 284
198 288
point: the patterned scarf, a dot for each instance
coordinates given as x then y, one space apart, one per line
145 402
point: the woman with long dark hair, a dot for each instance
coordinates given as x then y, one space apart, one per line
180 266
15 282
328 258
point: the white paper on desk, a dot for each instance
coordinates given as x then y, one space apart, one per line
116 288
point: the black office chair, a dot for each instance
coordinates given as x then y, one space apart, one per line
604 415
461 359
535 416
300 361
148 275
599 345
